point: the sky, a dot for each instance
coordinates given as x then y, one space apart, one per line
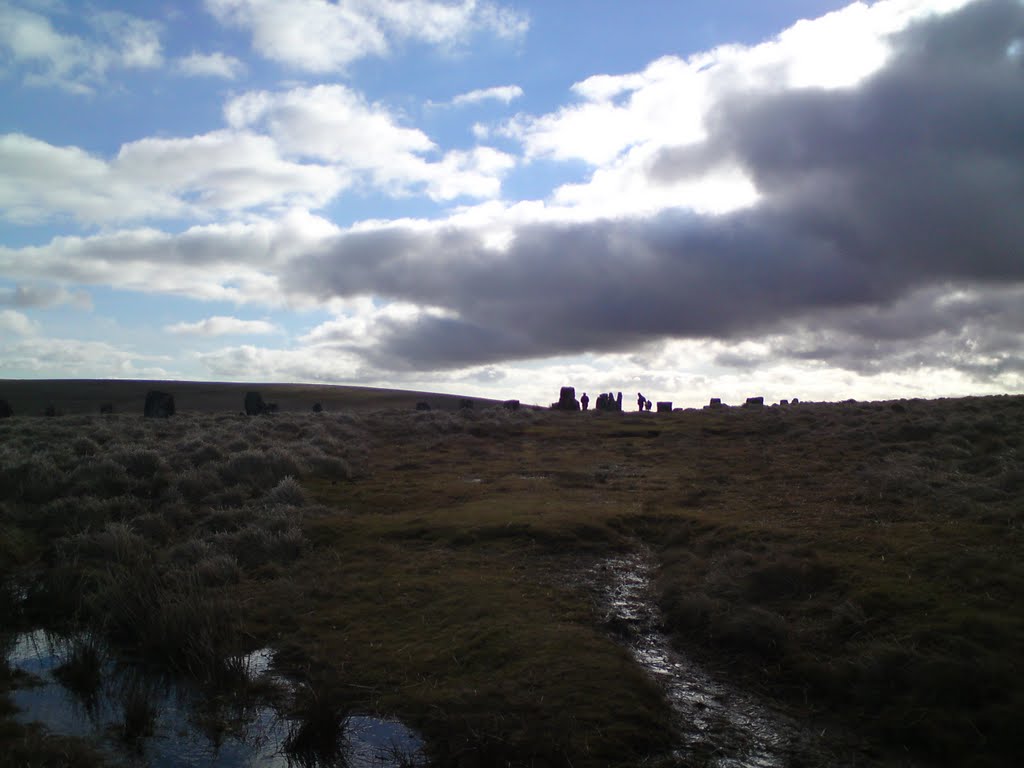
711 198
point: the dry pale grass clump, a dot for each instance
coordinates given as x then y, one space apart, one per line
144 530
259 469
288 493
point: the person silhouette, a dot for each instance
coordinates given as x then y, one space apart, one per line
584 401
640 401
648 405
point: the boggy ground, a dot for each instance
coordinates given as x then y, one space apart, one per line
860 564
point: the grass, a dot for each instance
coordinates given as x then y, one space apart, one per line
858 563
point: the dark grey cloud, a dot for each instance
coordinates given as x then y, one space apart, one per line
909 182
41 295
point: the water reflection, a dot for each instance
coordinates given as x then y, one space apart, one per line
723 726
144 719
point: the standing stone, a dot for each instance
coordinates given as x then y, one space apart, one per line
755 401
466 404
159 405
422 406
716 402
317 408
664 406
5 410
254 404
783 402
511 405
567 400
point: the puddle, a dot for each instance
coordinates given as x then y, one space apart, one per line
721 725
186 729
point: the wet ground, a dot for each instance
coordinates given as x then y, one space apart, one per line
720 725
182 726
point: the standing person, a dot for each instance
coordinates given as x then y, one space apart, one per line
648 404
584 401
641 401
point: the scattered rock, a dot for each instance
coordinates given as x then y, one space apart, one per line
159 405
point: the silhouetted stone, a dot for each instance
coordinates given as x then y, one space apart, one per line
5 410
50 411
421 406
254 404
566 400
783 402
512 405
107 408
716 402
465 403
317 408
664 407
794 401
754 401
159 405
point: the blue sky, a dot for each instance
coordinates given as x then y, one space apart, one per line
704 199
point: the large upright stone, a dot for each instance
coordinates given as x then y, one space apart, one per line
567 400
254 404
754 402
159 405
664 407
5 410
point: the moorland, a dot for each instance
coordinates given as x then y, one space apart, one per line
854 566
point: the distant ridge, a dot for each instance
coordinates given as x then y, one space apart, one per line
31 397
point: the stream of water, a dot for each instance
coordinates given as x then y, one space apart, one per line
721 725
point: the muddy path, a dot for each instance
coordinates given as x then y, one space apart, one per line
720 726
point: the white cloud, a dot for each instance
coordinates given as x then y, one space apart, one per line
77 358
15 322
228 262
223 326
156 178
49 57
215 64
335 124
321 36
620 122
502 93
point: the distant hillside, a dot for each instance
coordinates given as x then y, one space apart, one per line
32 397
